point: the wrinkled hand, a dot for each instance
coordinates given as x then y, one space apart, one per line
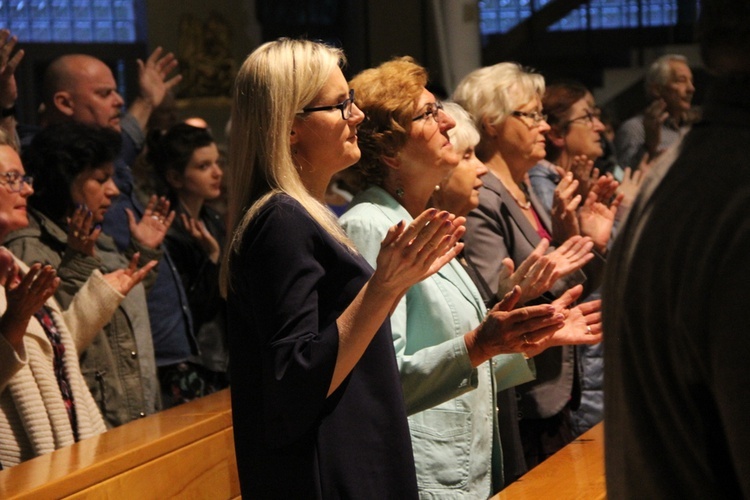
507 330
152 228
198 231
534 276
8 65
123 280
565 203
81 237
152 76
653 118
582 323
25 296
412 253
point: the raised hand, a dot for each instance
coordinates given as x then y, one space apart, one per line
153 76
197 229
123 280
81 236
152 228
8 65
412 253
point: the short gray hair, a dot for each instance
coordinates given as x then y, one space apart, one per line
494 92
465 134
660 71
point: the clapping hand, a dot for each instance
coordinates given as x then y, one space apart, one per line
412 253
506 329
582 323
24 295
565 204
152 228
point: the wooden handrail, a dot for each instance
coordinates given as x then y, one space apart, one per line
576 471
186 451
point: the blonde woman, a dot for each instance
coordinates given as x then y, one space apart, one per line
318 409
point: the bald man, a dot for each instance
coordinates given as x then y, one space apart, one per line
82 88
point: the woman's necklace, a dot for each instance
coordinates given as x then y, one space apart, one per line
523 206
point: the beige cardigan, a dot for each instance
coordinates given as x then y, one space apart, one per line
33 418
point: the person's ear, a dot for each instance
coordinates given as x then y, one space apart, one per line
391 161
63 101
489 128
174 179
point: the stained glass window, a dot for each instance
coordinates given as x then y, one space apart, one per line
499 16
70 21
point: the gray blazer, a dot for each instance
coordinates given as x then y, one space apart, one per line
497 229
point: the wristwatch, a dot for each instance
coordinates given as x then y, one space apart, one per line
6 112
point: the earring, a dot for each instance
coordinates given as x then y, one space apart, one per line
400 192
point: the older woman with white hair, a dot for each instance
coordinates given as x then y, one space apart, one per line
317 406
505 101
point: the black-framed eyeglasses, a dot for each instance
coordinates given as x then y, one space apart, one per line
15 181
344 106
431 109
535 117
588 118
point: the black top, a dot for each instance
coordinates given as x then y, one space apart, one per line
676 296
291 281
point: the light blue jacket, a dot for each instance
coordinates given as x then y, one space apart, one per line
452 408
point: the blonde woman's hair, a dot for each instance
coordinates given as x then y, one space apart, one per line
465 134
492 93
274 84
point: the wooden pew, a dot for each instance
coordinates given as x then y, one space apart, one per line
575 472
185 452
